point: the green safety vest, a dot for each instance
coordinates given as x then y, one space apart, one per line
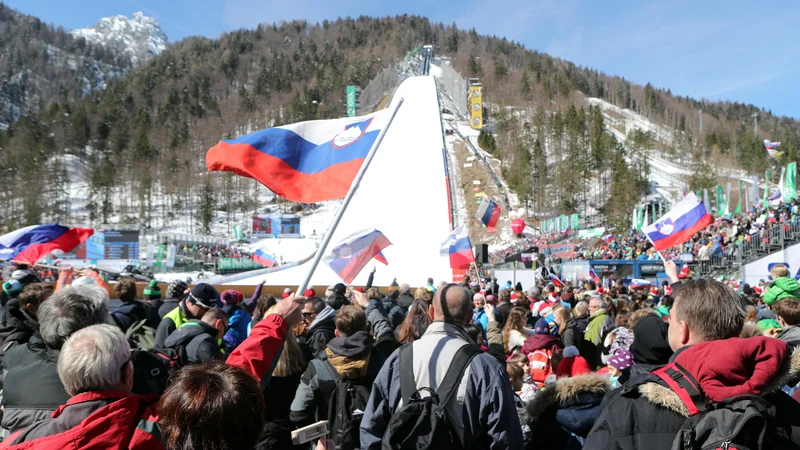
177 317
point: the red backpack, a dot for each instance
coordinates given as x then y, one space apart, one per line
127 423
539 361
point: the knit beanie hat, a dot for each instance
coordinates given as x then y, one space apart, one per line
286 293
12 287
541 327
232 297
621 360
152 291
176 289
573 364
308 293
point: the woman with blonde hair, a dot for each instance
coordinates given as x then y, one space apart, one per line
568 329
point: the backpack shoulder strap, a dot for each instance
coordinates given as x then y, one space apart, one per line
455 373
408 386
334 373
684 384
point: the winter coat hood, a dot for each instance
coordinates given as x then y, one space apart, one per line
190 330
577 398
405 300
325 317
729 368
350 355
791 336
541 342
783 287
650 344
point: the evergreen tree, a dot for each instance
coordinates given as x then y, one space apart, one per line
207 204
452 39
475 68
622 198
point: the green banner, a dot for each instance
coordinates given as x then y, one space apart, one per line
576 221
766 190
739 205
350 100
790 192
639 219
722 203
238 264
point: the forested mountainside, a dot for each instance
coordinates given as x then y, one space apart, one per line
41 64
144 136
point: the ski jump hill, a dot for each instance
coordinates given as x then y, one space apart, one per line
404 194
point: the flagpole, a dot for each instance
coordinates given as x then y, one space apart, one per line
356 181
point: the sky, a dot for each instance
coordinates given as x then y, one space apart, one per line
737 50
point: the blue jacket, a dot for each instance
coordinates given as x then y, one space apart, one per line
483 408
238 324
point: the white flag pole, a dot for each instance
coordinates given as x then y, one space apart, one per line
346 201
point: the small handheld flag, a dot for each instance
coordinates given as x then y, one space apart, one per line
638 283
304 162
593 276
679 225
350 256
458 248
488 212
556 281
31 243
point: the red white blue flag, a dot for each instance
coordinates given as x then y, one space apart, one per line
488 212
263 257
350 256
458 248
679 225
31 243
593 276
304 162
556 281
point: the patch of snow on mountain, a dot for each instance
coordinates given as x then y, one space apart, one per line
139 36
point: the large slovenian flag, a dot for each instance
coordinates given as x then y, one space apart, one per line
488 212
350 256
304 162
680 224
458 248
31 243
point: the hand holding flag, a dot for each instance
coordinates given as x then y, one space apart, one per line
679 225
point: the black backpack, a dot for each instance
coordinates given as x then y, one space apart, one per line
423 423
173 357
346 408
737 423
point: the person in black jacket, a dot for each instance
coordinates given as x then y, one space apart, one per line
321 327
22 342
568 329
176 291
131 310
201 337
562 413
705 322
32 391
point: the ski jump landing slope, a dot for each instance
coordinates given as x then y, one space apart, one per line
403 194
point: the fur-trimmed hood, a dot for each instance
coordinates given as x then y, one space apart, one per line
763 365
567 392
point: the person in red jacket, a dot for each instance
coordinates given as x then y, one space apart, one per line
97 372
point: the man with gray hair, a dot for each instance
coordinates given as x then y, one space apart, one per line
600 323
482 408
33 391
95 366
405 299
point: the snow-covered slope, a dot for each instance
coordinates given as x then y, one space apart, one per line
139 36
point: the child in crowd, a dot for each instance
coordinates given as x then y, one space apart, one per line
527 388
783 286
619 367
515 377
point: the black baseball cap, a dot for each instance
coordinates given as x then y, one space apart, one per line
204 295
